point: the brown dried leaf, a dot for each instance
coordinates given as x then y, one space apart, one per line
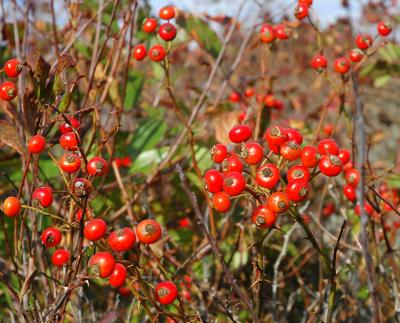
9 136
65 61
222 124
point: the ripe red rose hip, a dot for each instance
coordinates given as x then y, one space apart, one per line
149 25
102 264
356 55
267 34
8 91
234 97
301 11
367 208
221 202
240 133
319 63
218 153
290 150
252 153
97 166
167 31
232 164
344 156
341 65
139 52
157 53
298 172
364 41
384 29
36 144
234 183
167 13
275 136
328 146
352 177
297 190
148 231
307 2
267 176
281 32
118 276
213 181
81 187
330 165
12 67
310 156
294 135
95 229
263 217
60 257
51 237
278 202
70 163
74 125
122 240
349 192
43 196
69 141
11 206
166 292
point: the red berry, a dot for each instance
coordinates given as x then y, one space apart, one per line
167 31
307 2
240 133
341 65
118 276
252 153
232 164
11 206
319 63
166 292
275 136
139 52
347 166
149 25
95 229
297 190
298 172
356 55
97 166
328 129
234 183
122 240
263 217
148 231
310 156
8 91
328 147
51 237
221 202
301 11
70 163
102 264
69 141
281 32
36 144
167 13
294 135
364 41
184 222
75 124
267 176
81 187
330 165
384 29
213 181
249 92
344 156
12 67
241 116
60 257
278 202
43 196
234 97
270 100
349 192
157 53
218 153
367 208
328 209
352 177
267 34
290 150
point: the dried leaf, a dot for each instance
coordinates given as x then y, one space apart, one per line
65 61
223 123
9 136
27 284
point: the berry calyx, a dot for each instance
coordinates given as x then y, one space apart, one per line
267 176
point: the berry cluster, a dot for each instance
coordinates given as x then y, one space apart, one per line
166 32
275 179
12 68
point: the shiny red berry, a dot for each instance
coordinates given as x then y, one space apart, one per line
310 156
344 156
234 183
213 181
70 163
294 135
221 201
367 208
11 206
278 202
319 63
232 163
356 55
341 65
148 231
167 31
252 153
298 172
328 147
166 292
122 240
43 196
69 141
297 190
267 176
349 192
118 276
51 237
281 32
60 257
157 53
149 25
97 166
74 124
249 92
95 229
240 133
275 136
263 217
364 41
12 67
330 165
234 97
384 29
267 34
139 52
301 11
352 177
290 150
167 13
102 264
8 91
36 144
218 153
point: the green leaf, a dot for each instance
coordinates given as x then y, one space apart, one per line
382 80
394 181
201 32
148 160
133 88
